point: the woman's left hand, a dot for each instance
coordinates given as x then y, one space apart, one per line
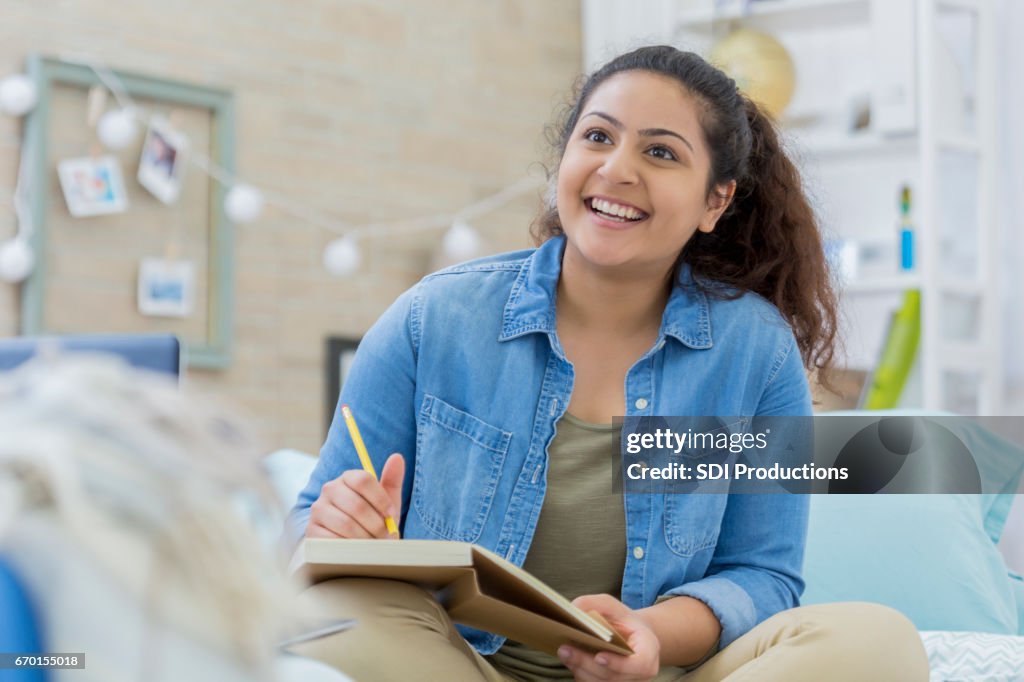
604 665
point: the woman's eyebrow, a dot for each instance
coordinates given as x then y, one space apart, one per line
645 132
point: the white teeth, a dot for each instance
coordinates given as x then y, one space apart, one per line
616 209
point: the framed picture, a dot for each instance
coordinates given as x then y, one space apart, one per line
340 353
166 287
197 307
92 186
162 162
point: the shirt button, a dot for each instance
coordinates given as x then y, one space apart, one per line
641 403
638 552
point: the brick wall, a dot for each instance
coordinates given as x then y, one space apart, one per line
368 110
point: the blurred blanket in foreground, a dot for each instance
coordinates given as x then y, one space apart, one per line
140 522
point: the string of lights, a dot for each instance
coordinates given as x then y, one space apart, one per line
118 127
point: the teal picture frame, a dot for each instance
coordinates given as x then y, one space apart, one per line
216 350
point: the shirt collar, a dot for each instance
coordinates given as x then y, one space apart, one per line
531 303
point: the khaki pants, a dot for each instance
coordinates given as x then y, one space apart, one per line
403 634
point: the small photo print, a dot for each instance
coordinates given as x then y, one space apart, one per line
166 287
92 186
163 161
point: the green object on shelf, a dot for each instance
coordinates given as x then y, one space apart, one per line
897 357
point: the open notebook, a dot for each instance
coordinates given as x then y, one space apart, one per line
475 586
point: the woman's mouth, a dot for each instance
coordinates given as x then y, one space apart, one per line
617 213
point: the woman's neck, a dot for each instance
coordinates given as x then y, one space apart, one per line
602 300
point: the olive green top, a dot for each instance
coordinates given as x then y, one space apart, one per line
579 546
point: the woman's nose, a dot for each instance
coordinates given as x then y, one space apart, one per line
619 167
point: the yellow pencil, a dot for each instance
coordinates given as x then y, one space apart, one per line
364 457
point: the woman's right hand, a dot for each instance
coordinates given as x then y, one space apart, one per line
354 504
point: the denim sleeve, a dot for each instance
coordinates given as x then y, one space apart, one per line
380 390
755 571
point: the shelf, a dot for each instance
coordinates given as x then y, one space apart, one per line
882 285
962 356
952 286
967 5
825 145
696 19
966 144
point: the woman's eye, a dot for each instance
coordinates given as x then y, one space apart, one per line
596 136
662 153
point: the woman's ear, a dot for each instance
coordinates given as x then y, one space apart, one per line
719 200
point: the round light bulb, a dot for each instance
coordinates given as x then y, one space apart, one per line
461 242
243 204
16 261
17 95
116 129
342 257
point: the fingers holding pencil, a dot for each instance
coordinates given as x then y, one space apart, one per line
364 458
357 505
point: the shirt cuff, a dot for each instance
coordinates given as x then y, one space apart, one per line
730 603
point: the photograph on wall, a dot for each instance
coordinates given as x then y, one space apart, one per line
162 163
166 287
341 351
92 186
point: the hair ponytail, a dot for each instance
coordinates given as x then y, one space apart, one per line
768 242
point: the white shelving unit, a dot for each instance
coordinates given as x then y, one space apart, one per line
701 14
882 285
926 68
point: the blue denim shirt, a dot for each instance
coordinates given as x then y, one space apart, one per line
464 374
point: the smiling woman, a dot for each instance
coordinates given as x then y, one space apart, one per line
759 233
679 272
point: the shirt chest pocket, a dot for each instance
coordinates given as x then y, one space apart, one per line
459 460
693 522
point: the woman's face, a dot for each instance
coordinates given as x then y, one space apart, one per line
632 182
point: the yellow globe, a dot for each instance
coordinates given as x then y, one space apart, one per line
760 65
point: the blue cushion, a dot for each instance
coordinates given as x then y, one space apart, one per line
18 632
928 556
933 557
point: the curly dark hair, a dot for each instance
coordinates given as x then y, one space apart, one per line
767 241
